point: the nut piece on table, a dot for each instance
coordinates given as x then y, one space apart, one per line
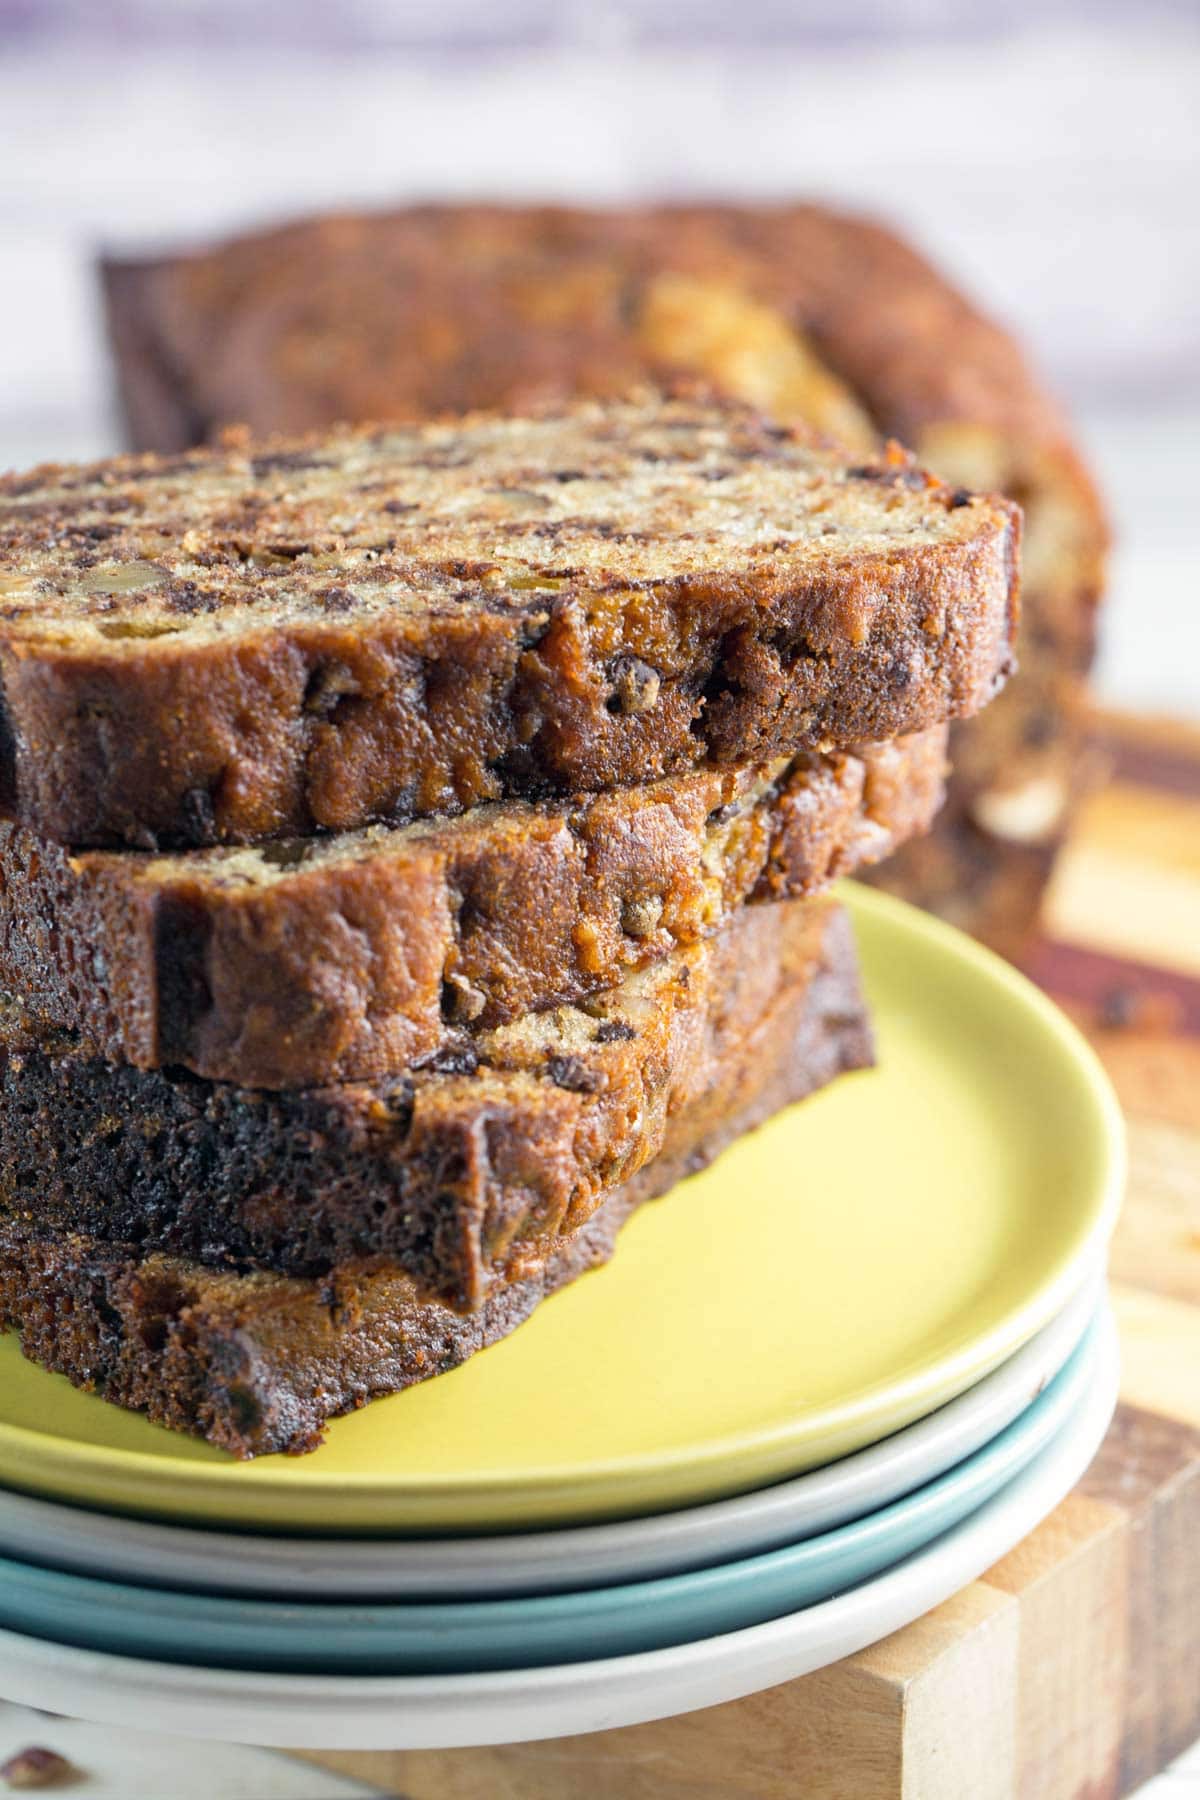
36 1767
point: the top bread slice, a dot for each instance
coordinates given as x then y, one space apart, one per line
378 625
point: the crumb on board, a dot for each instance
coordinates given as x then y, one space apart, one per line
37 1767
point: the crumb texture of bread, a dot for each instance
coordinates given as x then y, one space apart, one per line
346 958
450 1170
235 645
259 1362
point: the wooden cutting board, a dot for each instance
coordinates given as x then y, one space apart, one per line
1072 1670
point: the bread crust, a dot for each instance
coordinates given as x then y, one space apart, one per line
450 1170
259 1363
257 645
348 959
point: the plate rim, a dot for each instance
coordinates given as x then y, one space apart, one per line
457 1711
986 1472
595 1554
211 1487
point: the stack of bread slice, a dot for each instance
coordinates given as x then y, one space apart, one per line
391 819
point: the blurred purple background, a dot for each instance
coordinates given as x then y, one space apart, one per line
1047 154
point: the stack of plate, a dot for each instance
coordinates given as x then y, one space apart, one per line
819 1388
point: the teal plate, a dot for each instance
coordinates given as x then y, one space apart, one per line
398 1639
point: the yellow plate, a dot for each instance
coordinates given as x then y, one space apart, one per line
855 1264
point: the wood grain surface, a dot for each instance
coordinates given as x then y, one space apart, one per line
1072 1670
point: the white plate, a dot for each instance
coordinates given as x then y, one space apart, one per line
444 1712
137 1550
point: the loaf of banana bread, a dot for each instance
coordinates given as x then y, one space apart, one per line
803 311
258 1361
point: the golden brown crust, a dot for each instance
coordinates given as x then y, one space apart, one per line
376 626
259 1363
349 958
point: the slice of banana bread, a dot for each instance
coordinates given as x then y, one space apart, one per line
374 626
805 312
259 1362
450 1170
345 958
